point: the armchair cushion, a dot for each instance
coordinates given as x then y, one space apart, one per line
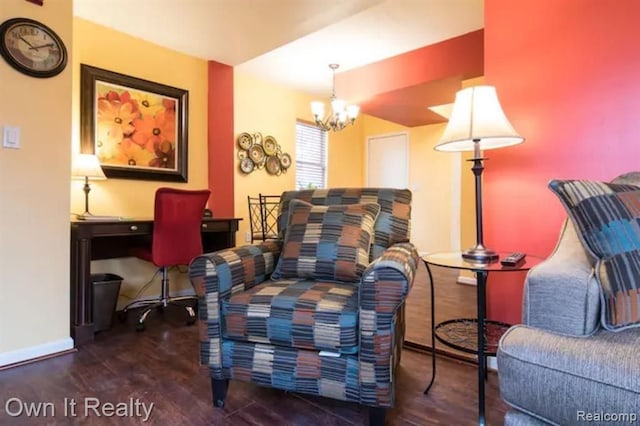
607 219
327 242
303 314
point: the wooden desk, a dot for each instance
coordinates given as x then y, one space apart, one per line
92 240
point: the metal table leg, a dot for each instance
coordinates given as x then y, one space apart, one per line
481 284
433 332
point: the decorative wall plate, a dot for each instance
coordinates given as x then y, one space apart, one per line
270 145
246 165
273 165
256 153
257 138
285 161
245 140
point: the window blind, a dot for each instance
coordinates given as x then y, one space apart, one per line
311 156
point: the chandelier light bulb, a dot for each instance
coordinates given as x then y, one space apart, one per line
317 109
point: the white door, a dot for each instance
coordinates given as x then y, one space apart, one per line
388 161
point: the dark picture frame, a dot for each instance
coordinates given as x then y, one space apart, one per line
136 128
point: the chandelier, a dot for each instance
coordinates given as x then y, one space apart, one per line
341 114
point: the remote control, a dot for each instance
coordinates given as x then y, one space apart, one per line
513 259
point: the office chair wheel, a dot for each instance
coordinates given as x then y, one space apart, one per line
122 316
140 326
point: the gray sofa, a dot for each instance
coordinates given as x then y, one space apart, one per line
560 367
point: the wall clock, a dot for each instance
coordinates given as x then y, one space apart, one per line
32 48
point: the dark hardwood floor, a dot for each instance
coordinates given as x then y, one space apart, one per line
452 300
160 366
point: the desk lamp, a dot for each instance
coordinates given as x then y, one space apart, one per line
87 166
477 123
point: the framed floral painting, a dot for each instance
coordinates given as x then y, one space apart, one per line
136 128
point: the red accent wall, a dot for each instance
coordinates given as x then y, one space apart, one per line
568 77
460 56
220 139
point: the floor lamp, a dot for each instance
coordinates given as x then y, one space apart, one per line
87 166
477 123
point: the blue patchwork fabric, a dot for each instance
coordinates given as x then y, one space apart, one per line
302 314
279 327
214 277
327 242
292 370
606 217
392 225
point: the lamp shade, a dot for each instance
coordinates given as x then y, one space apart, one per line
477 117
87 165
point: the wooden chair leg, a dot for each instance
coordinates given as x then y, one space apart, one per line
219 391
377 416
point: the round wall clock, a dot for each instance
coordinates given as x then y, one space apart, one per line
32 48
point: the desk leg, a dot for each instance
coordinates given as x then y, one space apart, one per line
433 332
81 292
482 365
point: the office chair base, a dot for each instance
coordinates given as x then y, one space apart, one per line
159 305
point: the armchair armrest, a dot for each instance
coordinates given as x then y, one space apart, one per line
561 293
388 279
383 290
215 276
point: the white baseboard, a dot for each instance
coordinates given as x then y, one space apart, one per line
492 363
37 351
462 279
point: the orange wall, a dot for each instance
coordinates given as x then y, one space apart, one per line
220 139
567 76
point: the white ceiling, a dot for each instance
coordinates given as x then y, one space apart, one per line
289 41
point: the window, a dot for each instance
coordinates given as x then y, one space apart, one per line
311 156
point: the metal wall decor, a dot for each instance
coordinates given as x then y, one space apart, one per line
256 152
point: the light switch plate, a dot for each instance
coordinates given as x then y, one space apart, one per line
11 137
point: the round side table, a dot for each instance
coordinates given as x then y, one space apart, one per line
473 335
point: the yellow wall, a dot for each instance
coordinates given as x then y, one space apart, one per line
102 47
346 154
271 109
35 179
34 199
433 181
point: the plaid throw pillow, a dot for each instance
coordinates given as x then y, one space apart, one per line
327 242
607 219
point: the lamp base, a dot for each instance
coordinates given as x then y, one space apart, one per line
480 254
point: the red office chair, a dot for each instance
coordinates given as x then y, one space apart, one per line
176 240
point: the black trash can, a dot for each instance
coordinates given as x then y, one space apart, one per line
106 288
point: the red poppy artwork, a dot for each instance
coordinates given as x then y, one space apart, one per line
136 128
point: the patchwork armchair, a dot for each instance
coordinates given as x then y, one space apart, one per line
320 309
